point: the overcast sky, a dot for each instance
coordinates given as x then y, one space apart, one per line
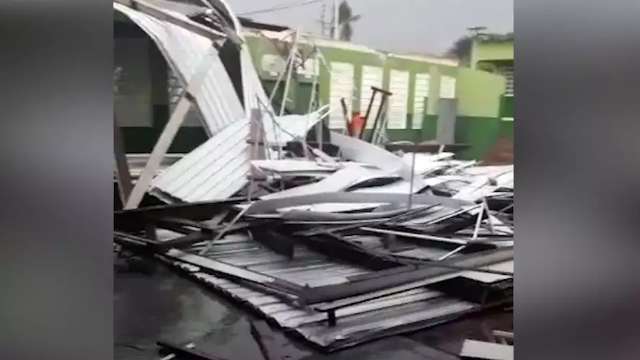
417 26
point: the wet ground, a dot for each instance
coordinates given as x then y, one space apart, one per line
152 303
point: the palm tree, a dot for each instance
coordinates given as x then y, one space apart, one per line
345 18
461 49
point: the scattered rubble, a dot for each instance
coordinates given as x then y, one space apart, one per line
340 260
338 249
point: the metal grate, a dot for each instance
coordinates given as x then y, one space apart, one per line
507 72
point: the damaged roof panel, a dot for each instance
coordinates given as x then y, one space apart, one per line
413 308
184 52
215 170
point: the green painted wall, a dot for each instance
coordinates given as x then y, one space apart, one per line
358 59
506 129
491 51
480 104
479 132
489 56
358 56
507 115
480 98
429 122
506 106
479 93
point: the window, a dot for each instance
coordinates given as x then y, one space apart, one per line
371 76
447 87
421 94
399 87
341 86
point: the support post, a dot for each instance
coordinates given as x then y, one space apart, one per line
334 26
223 231
257 151
413 169
292 60
476 229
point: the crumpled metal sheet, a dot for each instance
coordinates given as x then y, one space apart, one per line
290 127
338 181
184 52
218 168
288 166
362 151
414 308
215 170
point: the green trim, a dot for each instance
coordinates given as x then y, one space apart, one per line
480 133
506 106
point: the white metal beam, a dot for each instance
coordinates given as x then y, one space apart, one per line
164 15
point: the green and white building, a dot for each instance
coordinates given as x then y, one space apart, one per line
147 88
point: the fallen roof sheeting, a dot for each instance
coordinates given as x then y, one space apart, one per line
184 52
482 350
391 269
404 310
215 170
340 286
201 175
362 151
286 166
340 180
271 205
290 127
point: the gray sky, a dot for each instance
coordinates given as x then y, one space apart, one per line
418 26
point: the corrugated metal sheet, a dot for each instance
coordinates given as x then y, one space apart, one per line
362 151
342 179
214 170
218 168
184 52
137 163
410 309
254 94
290 127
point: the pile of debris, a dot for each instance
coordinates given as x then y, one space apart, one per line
330 237
344 250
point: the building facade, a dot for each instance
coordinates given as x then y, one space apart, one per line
331 70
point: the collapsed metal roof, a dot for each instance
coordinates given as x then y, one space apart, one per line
337 268
416 307
225 114
184 51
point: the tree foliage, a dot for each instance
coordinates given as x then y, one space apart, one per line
345 21
461 49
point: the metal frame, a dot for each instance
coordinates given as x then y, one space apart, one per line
136 194
384 96
169 132
163 15
403 275
393 274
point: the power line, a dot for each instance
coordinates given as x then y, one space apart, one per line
281 7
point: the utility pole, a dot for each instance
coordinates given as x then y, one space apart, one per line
334 25
323 21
